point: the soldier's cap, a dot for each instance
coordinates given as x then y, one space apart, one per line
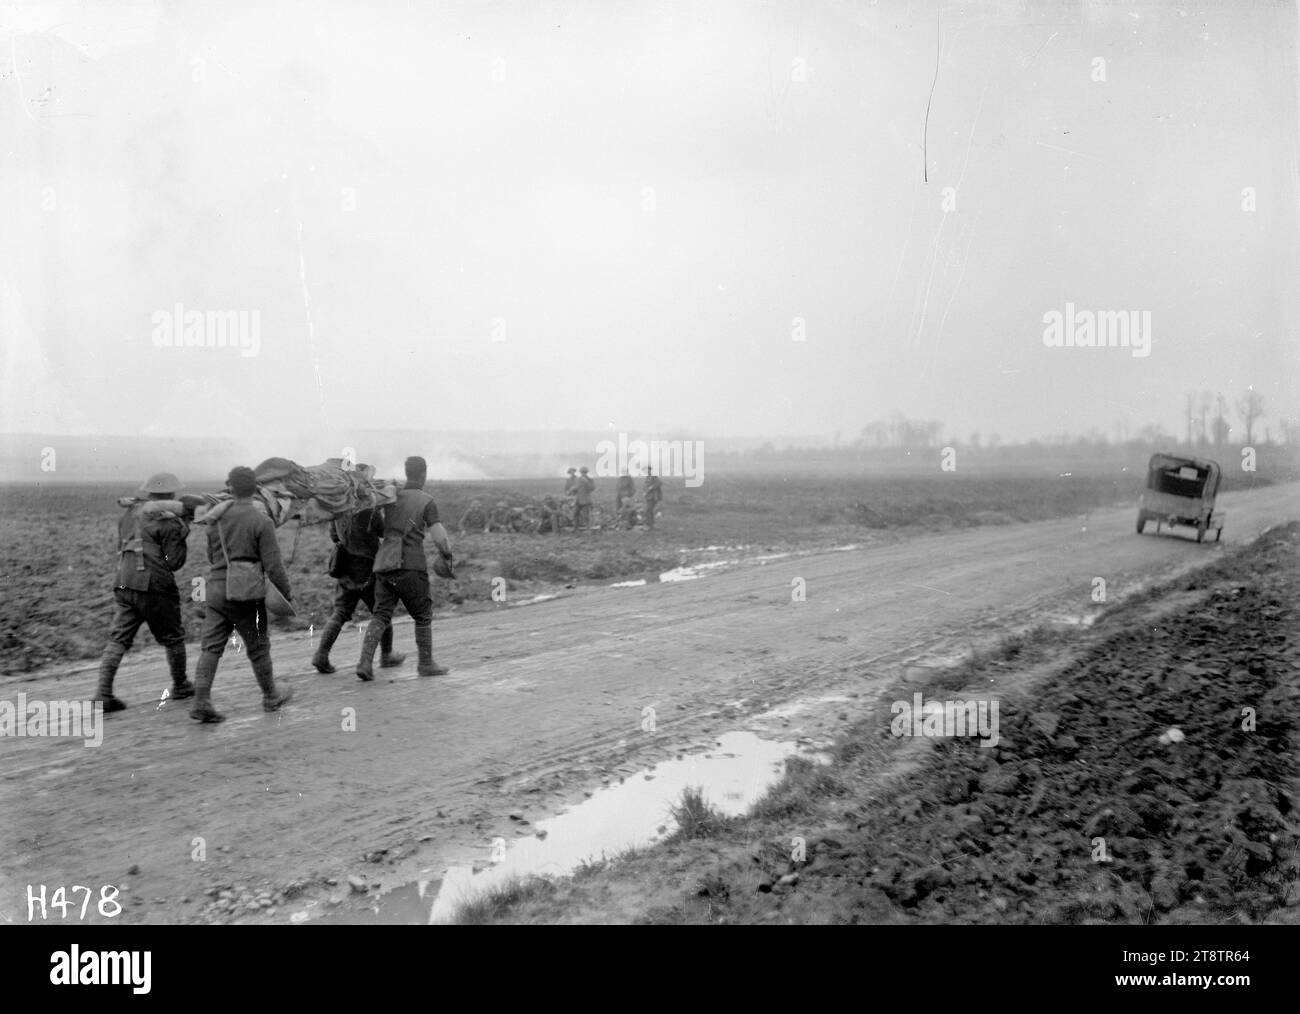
583 470
572 470
161 482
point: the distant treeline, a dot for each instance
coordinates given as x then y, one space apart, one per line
898 442
1271 462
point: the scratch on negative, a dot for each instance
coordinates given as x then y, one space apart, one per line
965 262
22 94
970 139
929 284
1071 151
907 242
311 329
925 132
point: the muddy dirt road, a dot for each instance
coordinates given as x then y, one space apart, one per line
543 702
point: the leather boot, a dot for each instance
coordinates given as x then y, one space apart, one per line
328 635
424 645
108 663
205 671
387 657
181 687
272 698
365 664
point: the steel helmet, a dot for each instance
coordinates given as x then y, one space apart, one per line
276 603
162 482
442 566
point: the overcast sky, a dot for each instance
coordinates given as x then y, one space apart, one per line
580 216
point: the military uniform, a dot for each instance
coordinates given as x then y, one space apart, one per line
501 519
625 492
586 486
357 537
476 517
152 546
654 493
551 515
248 534
402 575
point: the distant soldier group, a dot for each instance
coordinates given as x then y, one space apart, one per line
379 560
530 518
575 509
580 489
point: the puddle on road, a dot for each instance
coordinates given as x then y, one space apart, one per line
795 708
1070 620
923 668
1070 617
684 573
695 571
733 776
